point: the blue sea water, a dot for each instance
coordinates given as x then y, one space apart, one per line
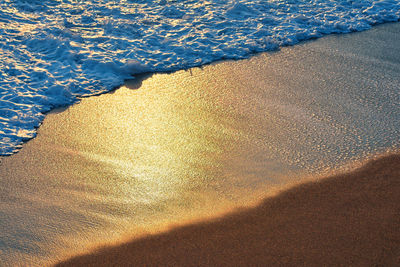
53 52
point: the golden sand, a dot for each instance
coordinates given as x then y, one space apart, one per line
173 149
346 220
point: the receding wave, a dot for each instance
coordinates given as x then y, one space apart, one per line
52 52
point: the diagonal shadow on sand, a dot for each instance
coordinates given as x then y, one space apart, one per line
350 219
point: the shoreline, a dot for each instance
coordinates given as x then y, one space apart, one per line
348 219
137 79
198 143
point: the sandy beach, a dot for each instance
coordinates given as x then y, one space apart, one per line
143 171
345 220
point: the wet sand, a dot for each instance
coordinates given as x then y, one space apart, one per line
346 220
176 148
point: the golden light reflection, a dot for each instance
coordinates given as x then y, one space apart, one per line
158 140
170 149
175 142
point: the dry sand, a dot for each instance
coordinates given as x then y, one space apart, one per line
345 220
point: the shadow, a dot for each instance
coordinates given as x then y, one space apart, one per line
351 219
136 82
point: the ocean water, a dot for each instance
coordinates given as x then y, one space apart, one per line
53 52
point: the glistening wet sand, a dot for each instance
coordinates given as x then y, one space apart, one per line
182 147
345 220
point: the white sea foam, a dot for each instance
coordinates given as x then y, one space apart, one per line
52 52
